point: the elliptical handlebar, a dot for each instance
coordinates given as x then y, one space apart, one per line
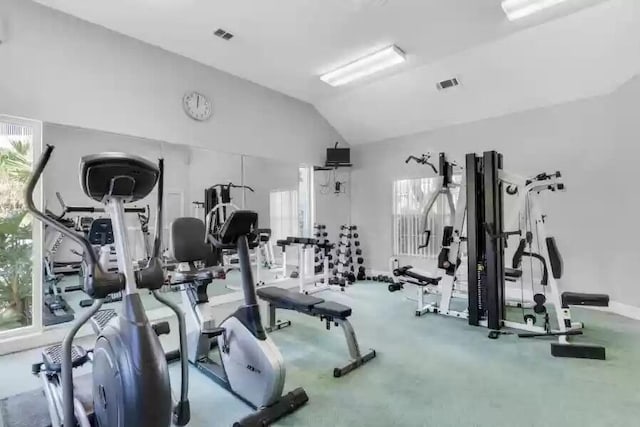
50 221
98 283
157 239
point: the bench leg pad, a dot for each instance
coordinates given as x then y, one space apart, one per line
578 351
280 324
354 364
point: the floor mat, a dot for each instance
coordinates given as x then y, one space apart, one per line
25 410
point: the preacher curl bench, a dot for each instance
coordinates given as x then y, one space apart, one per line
330 312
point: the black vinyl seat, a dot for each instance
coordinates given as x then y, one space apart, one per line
307 304
580 298
407 271
332 309
287 299
239 223
512 273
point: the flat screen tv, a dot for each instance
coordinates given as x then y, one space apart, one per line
338 156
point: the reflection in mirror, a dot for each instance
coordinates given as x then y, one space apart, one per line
188 172
18 139
274 196
65 199
332 199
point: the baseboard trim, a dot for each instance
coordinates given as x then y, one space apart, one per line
615 307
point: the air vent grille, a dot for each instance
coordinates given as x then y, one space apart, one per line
448 84
223 34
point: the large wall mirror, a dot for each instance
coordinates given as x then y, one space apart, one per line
288 197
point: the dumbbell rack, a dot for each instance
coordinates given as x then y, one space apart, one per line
321 250
348 246
308 281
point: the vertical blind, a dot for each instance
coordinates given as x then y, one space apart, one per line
409 197
283 213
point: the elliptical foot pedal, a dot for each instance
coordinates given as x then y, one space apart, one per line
286 405
52 357
578 351
101 319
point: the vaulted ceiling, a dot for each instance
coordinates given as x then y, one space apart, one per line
579 49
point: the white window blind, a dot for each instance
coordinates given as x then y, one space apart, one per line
283 214
409 197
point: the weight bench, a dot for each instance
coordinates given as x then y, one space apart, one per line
330 312
411 276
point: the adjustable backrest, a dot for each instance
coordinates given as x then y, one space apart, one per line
554 257
187 240
239 223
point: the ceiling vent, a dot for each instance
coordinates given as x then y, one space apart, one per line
448 84
223 34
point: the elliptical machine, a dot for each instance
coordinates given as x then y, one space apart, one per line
251 366
129 385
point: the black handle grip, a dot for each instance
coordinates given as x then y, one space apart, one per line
54 223
157 240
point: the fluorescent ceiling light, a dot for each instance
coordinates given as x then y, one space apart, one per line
365 66
516 9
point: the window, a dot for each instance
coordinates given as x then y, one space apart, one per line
18 280
409 198
283 213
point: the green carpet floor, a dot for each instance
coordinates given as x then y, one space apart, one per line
433 371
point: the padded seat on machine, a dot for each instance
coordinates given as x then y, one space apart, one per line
282 243
332 309
283 298
512 273
290 300
579 298
423 280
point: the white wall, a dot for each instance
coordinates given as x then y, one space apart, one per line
593 142
57 68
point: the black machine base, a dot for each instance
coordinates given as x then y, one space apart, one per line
578 351
354 364
287 404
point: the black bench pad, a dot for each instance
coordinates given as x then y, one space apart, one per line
424 280
287 299
512 273
578 298
283 298
332 309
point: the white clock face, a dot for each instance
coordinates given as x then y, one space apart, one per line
197 106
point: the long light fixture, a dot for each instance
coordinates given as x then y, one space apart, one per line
365 66
516 9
